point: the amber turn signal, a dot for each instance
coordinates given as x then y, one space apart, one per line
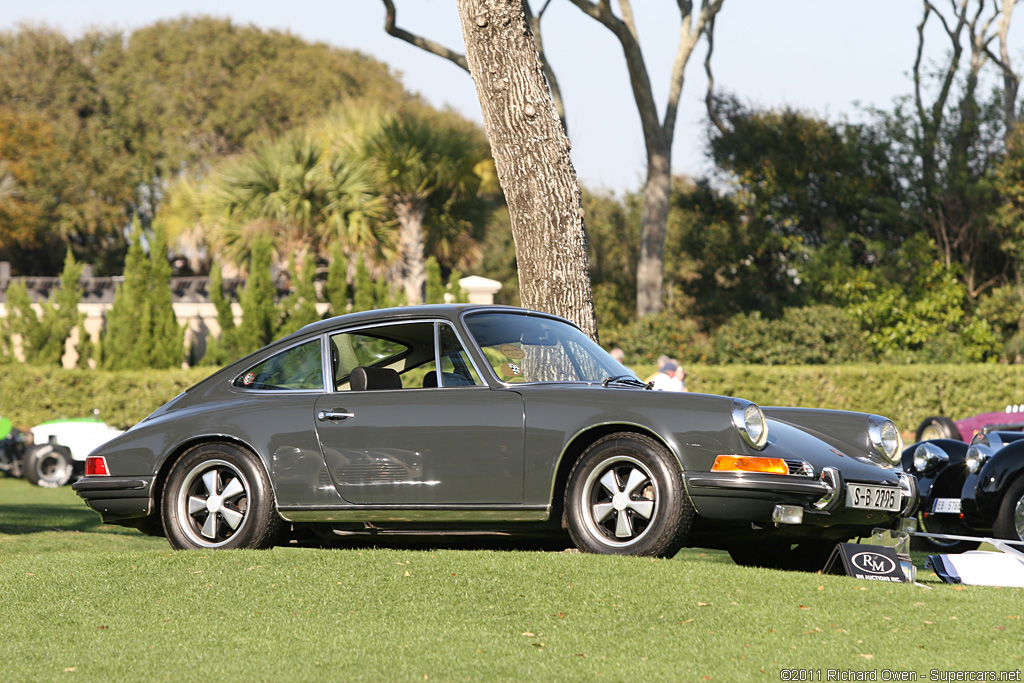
750 463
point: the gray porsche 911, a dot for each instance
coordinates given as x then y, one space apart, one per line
475 418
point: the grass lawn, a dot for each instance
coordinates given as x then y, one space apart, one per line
80 601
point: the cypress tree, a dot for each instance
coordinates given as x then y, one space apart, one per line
22 320
259 312
337 287
223 349
167 349
387 296
364 298
141 330
435 287
127 332
84 347
44 335
300 306
458 294
6 348
60 315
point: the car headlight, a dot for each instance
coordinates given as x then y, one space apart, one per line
750 423
991 441
976 457
885 437
928 456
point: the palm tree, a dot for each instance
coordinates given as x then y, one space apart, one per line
434 177
278 190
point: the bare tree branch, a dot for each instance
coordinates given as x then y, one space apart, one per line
688 38
419 41
638 76
709 98
1011 80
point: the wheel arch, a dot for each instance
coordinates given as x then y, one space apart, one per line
575 448
1000 473
179 452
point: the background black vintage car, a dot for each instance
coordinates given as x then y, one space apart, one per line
473 418
940 466
974 489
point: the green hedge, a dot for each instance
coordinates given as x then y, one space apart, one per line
906 393
30 395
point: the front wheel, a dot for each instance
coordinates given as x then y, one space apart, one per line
943 524
936 427
1009 522
47 465
218 496
625 496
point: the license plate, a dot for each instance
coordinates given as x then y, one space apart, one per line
946 505
866 497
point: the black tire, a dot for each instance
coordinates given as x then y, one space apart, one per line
48 465
802 557
218 496
1009 522
10 462
939 525
625 496
937 427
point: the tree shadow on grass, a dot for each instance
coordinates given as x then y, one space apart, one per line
37 517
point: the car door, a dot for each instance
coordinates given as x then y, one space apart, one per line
460 442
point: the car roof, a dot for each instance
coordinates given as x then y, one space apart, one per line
447 311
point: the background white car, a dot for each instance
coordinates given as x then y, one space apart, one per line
60 447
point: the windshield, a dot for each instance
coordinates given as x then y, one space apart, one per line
528 348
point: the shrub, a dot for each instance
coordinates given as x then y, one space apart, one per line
815 335
655 335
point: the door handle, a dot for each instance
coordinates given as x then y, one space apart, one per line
324 415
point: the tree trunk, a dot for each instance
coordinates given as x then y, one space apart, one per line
411 247
651 265
531 154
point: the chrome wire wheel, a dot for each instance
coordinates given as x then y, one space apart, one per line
620 501
1018 519
212 503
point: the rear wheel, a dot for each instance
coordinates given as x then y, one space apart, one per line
218 496
625 496
47 465
1009 522
937 427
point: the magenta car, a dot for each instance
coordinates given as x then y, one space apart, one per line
941 427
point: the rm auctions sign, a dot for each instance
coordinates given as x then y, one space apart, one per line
868 562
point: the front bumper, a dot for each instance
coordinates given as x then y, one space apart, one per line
117 498
749 497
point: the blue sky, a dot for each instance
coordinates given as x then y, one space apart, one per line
822 56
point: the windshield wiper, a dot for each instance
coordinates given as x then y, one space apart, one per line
629 380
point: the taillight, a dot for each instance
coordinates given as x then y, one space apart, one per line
96 466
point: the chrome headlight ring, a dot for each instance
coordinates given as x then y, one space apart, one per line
885 437
977 455
750 422
928 457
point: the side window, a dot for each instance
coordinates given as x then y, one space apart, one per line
407 349
456 368
391 347
298 368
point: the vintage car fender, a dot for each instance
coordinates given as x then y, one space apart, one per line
941 479
995 478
